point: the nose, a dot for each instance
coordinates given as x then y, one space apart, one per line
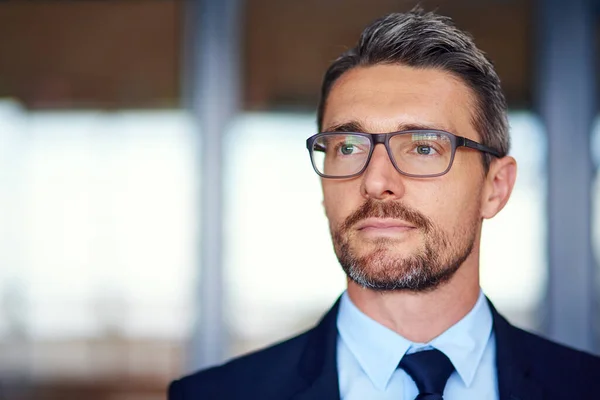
381 180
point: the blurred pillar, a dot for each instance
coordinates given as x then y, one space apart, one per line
566 102
211 89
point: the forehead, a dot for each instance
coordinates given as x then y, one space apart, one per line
384 98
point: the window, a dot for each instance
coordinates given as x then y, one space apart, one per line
98 241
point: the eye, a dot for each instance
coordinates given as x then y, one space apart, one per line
347 149
425 150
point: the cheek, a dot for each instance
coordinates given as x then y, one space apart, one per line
340 199
451 204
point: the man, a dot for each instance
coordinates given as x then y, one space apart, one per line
413 157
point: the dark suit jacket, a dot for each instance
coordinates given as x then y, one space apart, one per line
305 368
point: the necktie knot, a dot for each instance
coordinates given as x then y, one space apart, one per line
430 369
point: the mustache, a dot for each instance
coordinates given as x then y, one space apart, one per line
387 209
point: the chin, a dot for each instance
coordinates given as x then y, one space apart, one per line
391 249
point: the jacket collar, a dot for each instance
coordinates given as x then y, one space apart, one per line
318 363
514 382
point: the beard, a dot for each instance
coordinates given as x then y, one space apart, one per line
438 259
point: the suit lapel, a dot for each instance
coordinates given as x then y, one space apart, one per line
514 382
318 364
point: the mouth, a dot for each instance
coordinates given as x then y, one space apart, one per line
383 226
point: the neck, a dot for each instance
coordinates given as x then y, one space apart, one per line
421 317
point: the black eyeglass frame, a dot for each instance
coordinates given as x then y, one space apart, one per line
384 138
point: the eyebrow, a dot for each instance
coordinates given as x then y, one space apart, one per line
355 126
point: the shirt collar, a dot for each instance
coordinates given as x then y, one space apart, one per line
379 350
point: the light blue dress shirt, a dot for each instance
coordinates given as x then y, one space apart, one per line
368 355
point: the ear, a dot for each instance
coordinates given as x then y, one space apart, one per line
499 184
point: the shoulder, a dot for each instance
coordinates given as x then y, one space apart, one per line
549 363
556 364
529 361
276 372
251 373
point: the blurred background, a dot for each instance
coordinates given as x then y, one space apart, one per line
158 210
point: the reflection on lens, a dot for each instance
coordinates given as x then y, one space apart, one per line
339 155
422 153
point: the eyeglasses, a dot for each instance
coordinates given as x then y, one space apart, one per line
415 153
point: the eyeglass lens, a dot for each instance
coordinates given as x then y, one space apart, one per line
414 153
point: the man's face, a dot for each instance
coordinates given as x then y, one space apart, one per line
390 231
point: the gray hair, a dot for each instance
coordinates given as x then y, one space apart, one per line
420 39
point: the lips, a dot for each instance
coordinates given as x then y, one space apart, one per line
383 224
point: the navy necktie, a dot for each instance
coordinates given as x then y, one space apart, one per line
430 369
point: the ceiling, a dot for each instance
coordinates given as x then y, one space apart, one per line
128 54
